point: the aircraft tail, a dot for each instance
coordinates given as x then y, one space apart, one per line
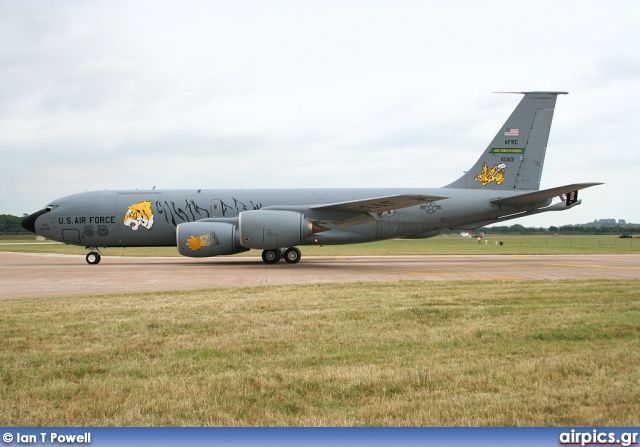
515 157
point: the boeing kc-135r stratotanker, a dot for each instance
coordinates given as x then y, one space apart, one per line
503 184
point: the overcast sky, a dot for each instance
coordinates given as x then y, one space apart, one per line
295 94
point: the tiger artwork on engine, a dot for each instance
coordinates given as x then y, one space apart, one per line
195 243
139 214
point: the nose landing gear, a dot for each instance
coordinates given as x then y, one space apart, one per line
94 256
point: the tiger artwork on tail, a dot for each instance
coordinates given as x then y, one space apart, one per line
495 174
139 214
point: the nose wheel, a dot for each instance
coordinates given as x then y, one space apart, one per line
93 257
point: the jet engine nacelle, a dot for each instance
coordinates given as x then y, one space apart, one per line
269 229
204 239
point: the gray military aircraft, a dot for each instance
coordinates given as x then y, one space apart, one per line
503 184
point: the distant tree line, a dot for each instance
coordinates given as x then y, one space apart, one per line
11 224
598 226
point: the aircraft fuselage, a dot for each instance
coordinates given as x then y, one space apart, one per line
150 218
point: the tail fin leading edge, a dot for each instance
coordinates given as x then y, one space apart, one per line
515 157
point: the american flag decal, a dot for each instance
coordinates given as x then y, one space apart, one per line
512 132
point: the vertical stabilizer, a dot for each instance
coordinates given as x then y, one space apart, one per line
515 157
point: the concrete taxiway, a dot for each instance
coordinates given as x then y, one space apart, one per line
37 275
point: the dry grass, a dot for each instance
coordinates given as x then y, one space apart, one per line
414 353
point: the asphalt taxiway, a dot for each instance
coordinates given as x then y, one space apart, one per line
37 275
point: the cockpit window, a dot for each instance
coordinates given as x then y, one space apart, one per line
51 207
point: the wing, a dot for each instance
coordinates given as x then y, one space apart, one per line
378 204
356 212
541 196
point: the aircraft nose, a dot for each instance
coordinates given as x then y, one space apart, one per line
29 222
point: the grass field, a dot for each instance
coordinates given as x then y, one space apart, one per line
408 354
440 245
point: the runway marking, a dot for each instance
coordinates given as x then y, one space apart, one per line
593 266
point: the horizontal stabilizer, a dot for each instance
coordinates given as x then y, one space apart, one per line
541 196
378 204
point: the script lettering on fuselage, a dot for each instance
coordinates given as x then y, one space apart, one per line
239 206
82 220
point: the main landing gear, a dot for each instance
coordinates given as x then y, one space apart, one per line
292 255
94 256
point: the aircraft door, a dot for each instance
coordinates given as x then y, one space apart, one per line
215 208
71 236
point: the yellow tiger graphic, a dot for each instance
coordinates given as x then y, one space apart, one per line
206 240
139 214
495 174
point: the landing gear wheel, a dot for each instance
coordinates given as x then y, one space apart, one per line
271 256
292 255
93 258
